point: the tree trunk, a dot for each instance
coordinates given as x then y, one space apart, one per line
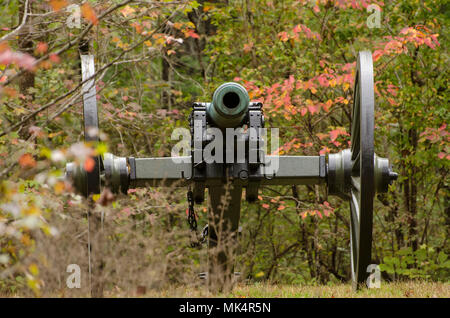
26 80
25 44
410 193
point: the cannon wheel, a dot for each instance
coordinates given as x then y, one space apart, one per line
93 183
90 119
362 156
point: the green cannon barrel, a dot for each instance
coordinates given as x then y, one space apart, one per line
229 105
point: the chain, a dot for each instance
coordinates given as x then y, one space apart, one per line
196 242
192 220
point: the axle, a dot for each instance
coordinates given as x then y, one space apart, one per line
121 173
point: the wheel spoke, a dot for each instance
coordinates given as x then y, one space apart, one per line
356 183
354 235
356 117
355 200
356 164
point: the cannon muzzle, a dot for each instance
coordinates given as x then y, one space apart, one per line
229 105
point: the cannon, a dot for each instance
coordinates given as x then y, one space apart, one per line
355 174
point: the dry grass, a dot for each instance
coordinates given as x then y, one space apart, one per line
406 289
146 254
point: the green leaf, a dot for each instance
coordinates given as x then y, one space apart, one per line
442 257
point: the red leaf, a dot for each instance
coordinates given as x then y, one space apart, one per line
377 54
191 33
324 151
392 101
54 58
336 132
312 109
327 105
41 47
21 59
283 36
323 81
392 89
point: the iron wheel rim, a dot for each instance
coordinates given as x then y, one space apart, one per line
362 148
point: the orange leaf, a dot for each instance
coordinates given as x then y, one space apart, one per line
248 47
41 47
127 10
59 187
327 105
10 91
89 13
58 4
89 164
27 161
265 206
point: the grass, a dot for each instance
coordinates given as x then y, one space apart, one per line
406 289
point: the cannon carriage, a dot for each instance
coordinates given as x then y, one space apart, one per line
355 174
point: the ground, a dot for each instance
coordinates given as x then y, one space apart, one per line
391 290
